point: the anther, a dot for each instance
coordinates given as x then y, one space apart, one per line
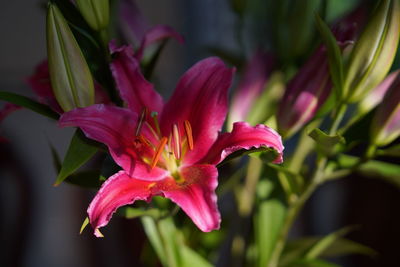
177 141
145 141
141 119
158 151
189 135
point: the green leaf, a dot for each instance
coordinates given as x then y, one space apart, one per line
84 224
169 245
268 219
192 258
326 144
296 249
88 179
154 237
318 248
70 76
28 103
312 263
393 151
79 152
389 172
334 55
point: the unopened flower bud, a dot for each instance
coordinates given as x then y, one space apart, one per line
96 13
374 52
386 123
70 76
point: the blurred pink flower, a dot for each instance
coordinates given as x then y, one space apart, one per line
385 126
251 85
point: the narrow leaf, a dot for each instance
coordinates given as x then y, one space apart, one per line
79 152
268 218
28 103
325 242
334 55
84 224
88 179
376 169
312 263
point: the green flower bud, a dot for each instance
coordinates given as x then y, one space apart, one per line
95 12
70 76
374 52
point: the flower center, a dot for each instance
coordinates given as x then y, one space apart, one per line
164 152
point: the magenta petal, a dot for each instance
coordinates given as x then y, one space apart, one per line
197 196
243 136
40 83
156 34
119 190
201 98
110 125
133 87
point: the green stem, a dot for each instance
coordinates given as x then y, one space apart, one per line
338 117
169 258
296 206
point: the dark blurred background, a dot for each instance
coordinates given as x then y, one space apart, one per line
40 223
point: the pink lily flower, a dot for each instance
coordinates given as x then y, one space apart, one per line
167 149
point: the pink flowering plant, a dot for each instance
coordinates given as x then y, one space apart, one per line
223 165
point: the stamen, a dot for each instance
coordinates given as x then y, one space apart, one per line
154 115
141 119
145 141
159 149
177 141
189 135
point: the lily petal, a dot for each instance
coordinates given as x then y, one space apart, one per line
156 34
133 87
201 97
196 196
112 126
119 190
243 136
